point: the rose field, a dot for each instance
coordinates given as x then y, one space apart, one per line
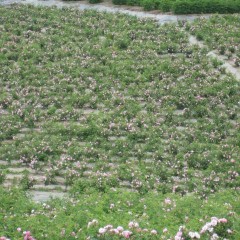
132 125
221 34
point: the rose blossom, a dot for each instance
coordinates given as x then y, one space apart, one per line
167 201
102 230
120 228
194 235
133 225
178 236
222 220
126 234
154 232
165 230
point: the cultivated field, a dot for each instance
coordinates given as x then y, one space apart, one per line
140 127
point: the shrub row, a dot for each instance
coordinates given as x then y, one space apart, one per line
189 6
206 6
182 6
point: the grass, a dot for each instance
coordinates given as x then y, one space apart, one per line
124 110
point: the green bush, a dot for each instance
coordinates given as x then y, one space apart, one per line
133 2
95 1
166 5
149 5
179 6
120 2
183 7
206 6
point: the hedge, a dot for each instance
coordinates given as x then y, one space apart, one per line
186 6
182 6
206 6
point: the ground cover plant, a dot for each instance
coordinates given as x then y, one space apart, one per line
119 108
220 33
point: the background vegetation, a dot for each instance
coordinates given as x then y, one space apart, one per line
182 6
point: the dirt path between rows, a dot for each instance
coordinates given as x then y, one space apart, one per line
227 64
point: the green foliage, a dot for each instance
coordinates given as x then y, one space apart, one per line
149 5
120 2
185 6
133 2
118 208
94 1
26 182
2 176
206 6
166 5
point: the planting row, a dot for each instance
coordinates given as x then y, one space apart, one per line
220 33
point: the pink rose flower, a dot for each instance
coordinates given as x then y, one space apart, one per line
178 236
102 230
222 220
165 230
167 201
133 225
154 232
120 228
126 234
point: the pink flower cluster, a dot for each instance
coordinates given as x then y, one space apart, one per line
178 236
134 226
115 231
193 235
94 222
209 226
27 236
